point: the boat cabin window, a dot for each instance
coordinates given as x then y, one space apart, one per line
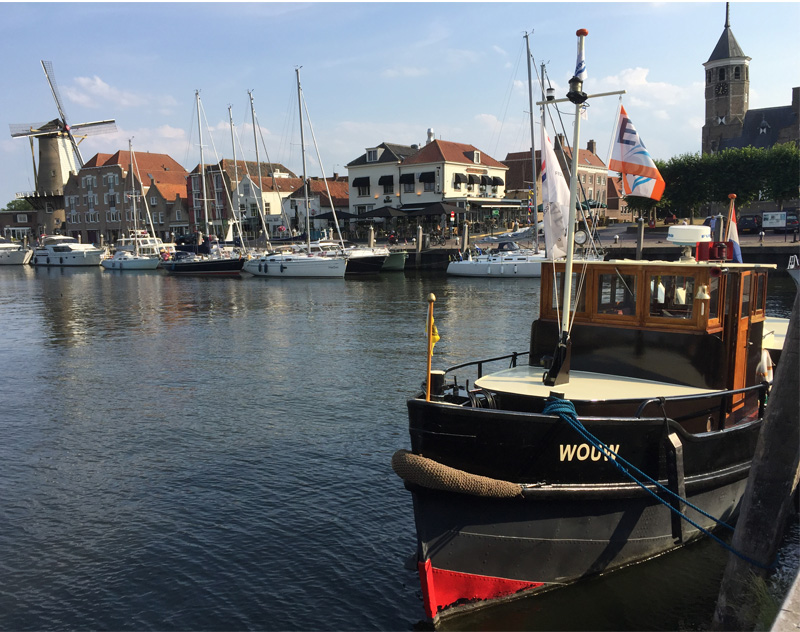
713 304
671 296
760 295
616 294
746 290
578 284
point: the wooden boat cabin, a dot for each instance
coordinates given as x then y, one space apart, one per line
697 324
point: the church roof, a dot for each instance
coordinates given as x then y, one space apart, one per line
762 128
727 47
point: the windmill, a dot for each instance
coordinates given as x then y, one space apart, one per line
58 146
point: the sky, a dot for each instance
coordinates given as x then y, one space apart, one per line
371 72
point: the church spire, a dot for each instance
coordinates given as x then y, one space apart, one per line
727 15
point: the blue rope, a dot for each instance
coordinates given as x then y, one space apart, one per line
565 409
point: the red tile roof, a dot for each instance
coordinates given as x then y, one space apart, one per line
445 151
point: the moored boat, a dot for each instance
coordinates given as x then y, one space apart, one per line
502 258
625 430
60 250
13 253
126 260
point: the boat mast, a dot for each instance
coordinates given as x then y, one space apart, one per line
558 373
202 165
133 195
235 170
533 148
258 165
303 151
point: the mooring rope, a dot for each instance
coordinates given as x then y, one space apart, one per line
565 409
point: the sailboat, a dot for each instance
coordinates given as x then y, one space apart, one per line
123 258
218 261
626 429
291 260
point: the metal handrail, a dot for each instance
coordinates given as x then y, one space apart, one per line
480 363
683 398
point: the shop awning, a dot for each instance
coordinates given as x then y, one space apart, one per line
473 179
460 178
406 178
427 176
486 181
361 182
497 181
384 180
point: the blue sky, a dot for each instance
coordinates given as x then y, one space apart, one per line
371 73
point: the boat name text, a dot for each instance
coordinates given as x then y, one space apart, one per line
584 452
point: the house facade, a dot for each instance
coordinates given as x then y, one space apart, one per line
412 178
104 200
594 186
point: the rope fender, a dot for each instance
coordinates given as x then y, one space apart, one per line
425 472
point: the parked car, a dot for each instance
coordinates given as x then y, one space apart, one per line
792 224
749 224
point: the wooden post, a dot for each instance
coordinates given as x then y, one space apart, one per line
767 498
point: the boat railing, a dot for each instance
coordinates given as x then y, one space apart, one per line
724 396
480 363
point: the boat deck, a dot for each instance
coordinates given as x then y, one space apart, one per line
582 386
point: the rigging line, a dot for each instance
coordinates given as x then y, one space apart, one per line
144 197
507 105
322 170
219 166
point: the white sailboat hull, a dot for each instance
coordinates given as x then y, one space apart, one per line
296 266
15 256
521 267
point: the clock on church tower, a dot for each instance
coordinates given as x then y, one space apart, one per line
721 89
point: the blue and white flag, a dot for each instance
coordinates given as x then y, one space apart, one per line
580 65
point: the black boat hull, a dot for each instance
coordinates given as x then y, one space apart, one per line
577 515
212 267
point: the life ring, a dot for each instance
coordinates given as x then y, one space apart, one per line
764 368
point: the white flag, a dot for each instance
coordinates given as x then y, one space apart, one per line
555 202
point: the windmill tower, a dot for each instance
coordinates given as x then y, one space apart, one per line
59 156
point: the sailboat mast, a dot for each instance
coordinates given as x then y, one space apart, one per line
533 148
303 151
260 186
202 164
133 202
234 210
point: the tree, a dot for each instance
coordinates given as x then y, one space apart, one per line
782 178
686 179
20 204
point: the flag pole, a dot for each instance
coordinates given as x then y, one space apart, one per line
731 197
431 301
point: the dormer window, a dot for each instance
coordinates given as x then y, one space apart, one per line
372 155
476 157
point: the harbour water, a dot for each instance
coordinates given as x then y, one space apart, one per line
213 454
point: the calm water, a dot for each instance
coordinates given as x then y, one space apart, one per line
209 454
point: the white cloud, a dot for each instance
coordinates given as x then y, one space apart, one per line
405 71
93 92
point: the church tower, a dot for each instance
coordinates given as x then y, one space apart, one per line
727 90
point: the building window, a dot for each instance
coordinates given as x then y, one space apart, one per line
217 181
246 189
253 209
408 187
195 183
177 214
363 191
372 155
388 189
721 74
428 186
736 73
161 218
476 157
153 200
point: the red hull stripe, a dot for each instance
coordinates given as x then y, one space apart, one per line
442 588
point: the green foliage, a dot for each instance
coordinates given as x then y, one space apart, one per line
694 180
19 204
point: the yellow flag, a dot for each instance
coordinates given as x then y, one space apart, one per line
435 333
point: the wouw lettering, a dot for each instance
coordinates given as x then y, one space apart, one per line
586 452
